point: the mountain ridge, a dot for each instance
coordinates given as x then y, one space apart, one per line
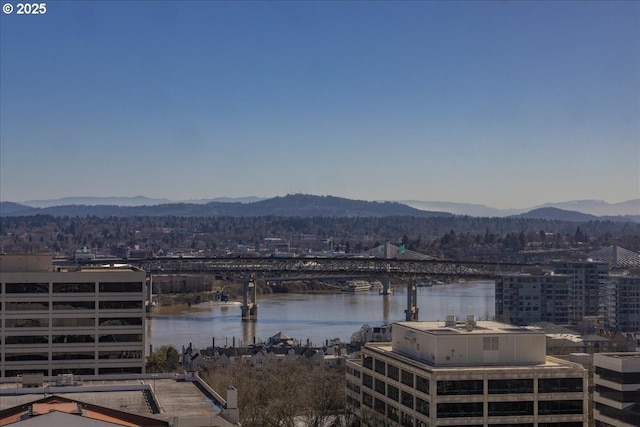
311 205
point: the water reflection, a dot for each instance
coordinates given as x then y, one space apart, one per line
315 317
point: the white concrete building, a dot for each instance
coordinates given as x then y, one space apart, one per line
87 321
617 389
465 374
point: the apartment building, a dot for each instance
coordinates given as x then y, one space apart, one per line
617 389
622 303
523 299
586 281
78 320
465 374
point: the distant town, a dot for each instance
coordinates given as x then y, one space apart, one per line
562 349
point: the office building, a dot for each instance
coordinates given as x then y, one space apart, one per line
72 320
465 374
617 389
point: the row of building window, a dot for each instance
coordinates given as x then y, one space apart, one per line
72 305
78 355
466 387
71 339
72 322
494 409
43 288
76 371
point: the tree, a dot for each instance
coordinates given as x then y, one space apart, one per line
164 359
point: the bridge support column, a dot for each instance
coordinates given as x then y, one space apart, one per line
411 313
249 292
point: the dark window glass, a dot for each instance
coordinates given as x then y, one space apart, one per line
74 287
379 386
367 400
379 366
66 339
379 405
25 356
407 378
393 372
120 305
422 384
74 305
26 323
122 321
27 288
393 413
367 381
406 399
26 306
121 287
422 406
549 407
458 410
510 386
406 420
558 385
27 339
393 393
75 322
618 377
76 355
497 409
367 361
447 388
121 338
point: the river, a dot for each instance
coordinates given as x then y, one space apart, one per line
314 317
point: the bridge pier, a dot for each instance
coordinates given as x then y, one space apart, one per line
411 313
249 297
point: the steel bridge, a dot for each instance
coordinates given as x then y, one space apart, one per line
279 269
308 268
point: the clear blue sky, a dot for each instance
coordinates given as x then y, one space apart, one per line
508 104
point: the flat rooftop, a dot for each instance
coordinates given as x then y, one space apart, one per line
460 327
160 396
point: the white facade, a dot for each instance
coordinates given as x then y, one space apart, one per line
465 373
617 389
87 321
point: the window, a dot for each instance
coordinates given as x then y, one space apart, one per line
422 384
407 399
27 288
367 361
26 306
379 386
121 287
121 338
393 372
499 409
406 420
74 305
379 405
393 393
367 381
379 366
490 343
407 378
510 386
393 413
26 323
448 388
75 322
558 385
74 287
460 410
549 407
120 305
76 355
422 406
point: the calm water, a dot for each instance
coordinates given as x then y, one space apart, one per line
315 317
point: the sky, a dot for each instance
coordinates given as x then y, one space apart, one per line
507 104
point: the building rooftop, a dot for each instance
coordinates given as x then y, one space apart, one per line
159 396
456 327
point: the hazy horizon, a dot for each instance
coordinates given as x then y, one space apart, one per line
503 104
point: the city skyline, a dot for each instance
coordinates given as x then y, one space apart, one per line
505 104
